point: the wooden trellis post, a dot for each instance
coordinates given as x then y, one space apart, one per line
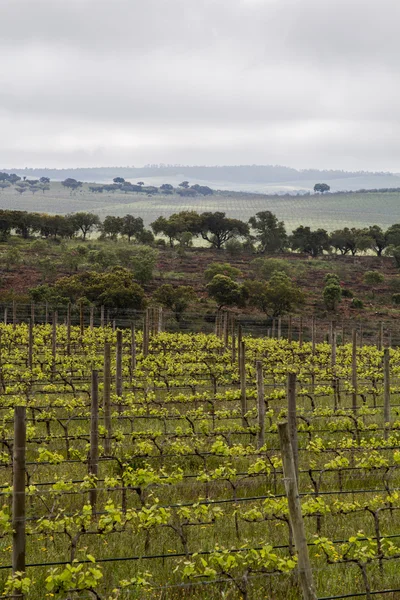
107 397
94 438
18 499
260 405
295 515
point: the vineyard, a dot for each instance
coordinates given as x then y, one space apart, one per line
137 463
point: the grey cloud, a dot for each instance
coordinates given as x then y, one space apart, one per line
304 83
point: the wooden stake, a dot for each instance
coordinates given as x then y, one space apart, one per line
290 328
118 370
313 334
279 327
33 313
5 315
146 334
30 343
381 335
107 397
94 438
296 518
301 332
91 322
260 405
133 349
54 340
69 328
102 316
386 379
46 312
242 373
354 370
292 418
14 314
81 319
18 498
160 320
233 340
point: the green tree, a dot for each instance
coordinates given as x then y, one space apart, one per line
177 299
321 188
226 292
265 267
112 226
132 226
310 242
217 229
378 237
86 222
217 268
332 292
141 260
71 183
178 223
270 233
276 297
373 278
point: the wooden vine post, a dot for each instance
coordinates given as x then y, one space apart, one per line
102 316
81 319
133 350
301 332
354 370
91 317
107 397
46 312
313 334
292 419
290 329
333 336
18 498
386 379
233 340
94 438
5 315
260 405
240 335
296 518
14 314
30 343
69 328
242 374
146 333
54 341
118 369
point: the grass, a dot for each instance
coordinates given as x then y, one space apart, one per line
329 212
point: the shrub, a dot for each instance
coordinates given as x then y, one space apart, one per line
357 303
396 298
347 293
265 267
373 278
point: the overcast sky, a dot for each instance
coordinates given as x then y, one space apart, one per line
303 83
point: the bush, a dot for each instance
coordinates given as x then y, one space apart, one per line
357 303
373 278
347 293
265 267
225 269
234 247
396 298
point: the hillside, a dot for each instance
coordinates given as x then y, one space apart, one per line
329 211
252 178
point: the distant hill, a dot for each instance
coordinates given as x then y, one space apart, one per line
252 178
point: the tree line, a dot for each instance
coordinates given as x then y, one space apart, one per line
263 233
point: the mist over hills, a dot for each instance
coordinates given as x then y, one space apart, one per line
252 178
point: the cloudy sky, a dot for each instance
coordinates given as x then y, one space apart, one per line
304 83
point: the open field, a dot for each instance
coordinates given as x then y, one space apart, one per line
329 212
189 484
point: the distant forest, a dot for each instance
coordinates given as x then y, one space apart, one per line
238 173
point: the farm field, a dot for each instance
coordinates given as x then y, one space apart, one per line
329 212
160 476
